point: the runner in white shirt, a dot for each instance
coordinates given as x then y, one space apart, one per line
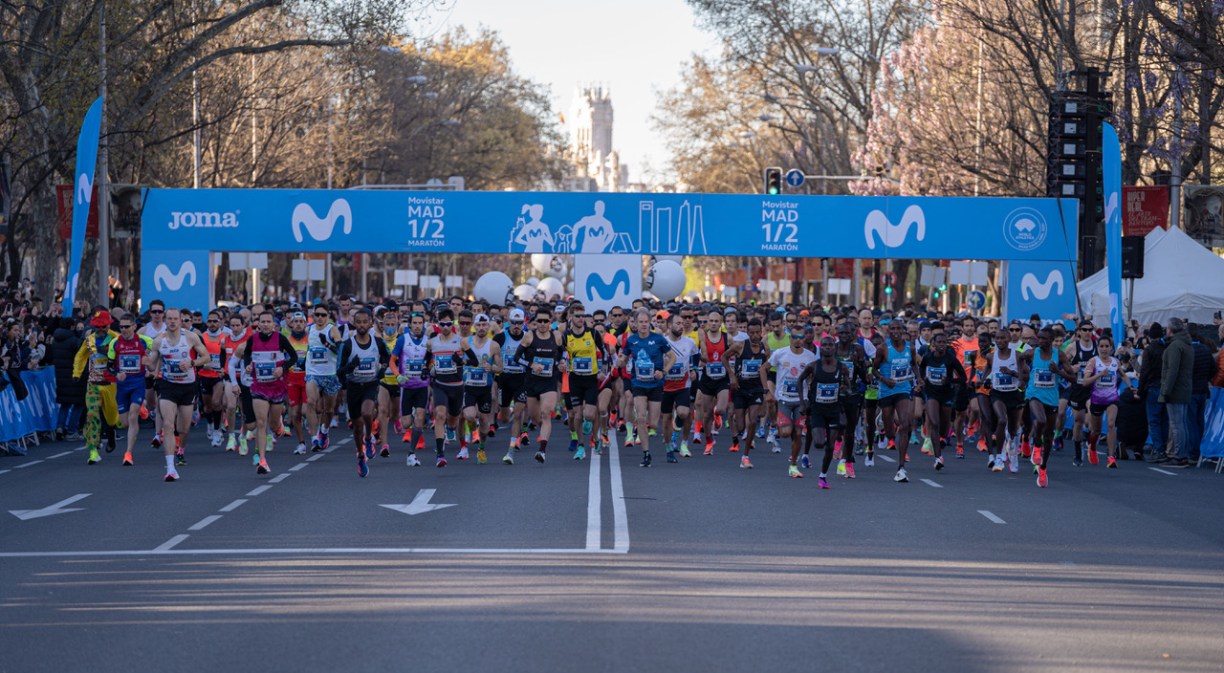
789 392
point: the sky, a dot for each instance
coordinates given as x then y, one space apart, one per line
634 47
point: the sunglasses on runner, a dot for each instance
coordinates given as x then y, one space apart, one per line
446 323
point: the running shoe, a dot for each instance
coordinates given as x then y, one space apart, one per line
523 439
793 472
1036 455
369 448
315 444
407 435
1026 449
508 459
450 434
242 444
573 445
385 452
709 450
773 445
463 454
440 462
127 459
216 438
1076 462
586 428
927 447
849 470
481 457
822 483
1042 479
1093 459
869 461
180 457
171 475
653 433
745 464
255 458
760 431
735 445
94 458
262 468
982 448
1013 464
325 437
960 450
156 442
939 464
300 450
1112 463
901 477
645 459
363 468
684 450
580 454
671 456
806 463
539 457
412 461
996 464
271 442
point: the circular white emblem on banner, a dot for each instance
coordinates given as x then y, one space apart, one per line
1025 229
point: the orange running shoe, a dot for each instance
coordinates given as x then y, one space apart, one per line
1042 479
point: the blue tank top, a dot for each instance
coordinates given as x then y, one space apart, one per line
899 366
1043 383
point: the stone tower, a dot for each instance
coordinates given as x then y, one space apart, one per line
595 162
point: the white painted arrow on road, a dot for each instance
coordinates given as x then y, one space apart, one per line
420 504
60 507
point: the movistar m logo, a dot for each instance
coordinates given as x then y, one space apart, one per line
1031 288
321 229
84 190
597 288
164 280
893 235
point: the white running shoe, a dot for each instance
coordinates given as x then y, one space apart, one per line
997 464
463 454
508 459
300 450
412 460
901 477
869 462
1013 464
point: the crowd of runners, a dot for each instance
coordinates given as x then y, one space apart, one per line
436 381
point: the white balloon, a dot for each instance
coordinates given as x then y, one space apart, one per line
559 270
533 281
493 287
569 287
666 280
678 259
524 292
551 286
545 262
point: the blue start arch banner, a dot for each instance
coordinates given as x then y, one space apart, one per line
180 226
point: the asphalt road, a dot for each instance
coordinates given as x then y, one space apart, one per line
603 566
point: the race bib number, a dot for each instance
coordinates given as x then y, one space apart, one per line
826 392
969 357
715 370
1109 379
171 371
214 361
546 365
1079 375
583 366
444 364
752 367
99 361
265 366
129 364
365 366
475 376
1004 382
644 370
414 367
318 354
790 387
936 376
676 373
901 373
1044 379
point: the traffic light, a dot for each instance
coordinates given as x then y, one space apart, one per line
773 180
1073 162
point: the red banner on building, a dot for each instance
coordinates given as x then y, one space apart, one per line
63 204
1144 209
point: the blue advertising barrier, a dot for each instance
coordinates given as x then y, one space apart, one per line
14 424
181 226
36 413
1212 445
1043 288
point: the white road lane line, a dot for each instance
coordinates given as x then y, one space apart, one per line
990 515
233 505
258 489
171 543
279 478
297 467
932 484
1157 469
3 471
59 455
620 518
330 551
315 457
203 523
594 506
33 462
885 458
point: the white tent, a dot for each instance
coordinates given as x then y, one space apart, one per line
1181 278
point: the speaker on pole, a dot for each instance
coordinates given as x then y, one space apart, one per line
1132 257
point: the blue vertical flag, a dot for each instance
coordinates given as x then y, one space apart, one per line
82 195
1111 167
